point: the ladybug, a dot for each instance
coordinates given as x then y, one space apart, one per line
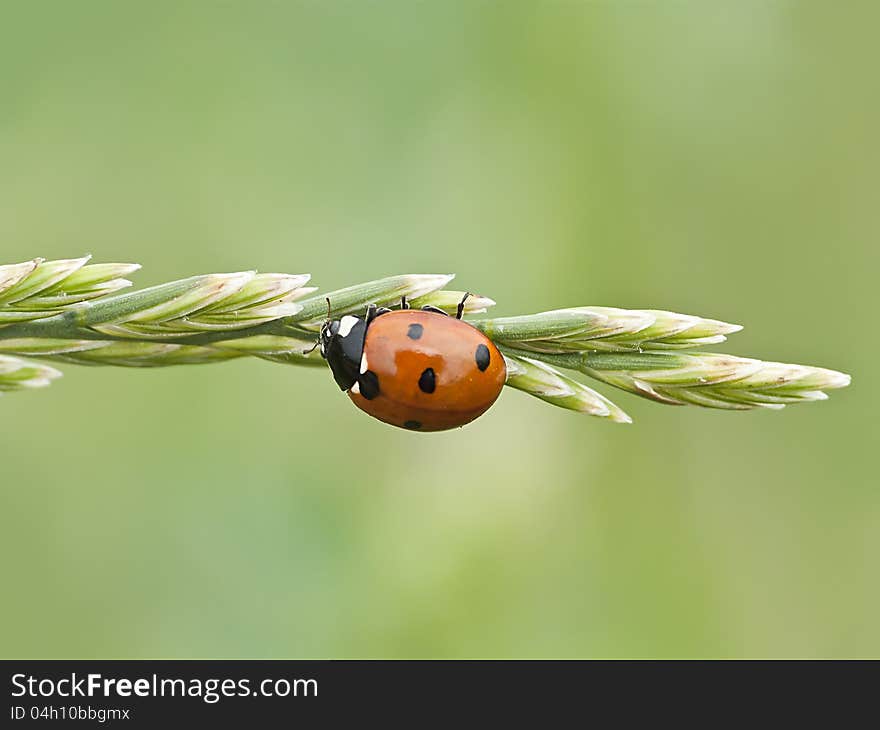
421 370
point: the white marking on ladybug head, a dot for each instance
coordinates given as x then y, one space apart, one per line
356 388
346 324
364 365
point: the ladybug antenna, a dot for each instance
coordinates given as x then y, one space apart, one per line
318 341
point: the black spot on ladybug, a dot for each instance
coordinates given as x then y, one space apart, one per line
482 357
369 384
427 383
415 331
412 425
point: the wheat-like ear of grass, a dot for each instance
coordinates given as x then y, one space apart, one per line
73 311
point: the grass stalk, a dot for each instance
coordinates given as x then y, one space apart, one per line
73 311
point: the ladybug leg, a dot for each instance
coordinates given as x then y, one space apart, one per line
460 311
373 311
403 303
435 310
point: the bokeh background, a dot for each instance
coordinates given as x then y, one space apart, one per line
720 161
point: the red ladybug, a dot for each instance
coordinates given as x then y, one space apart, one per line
416 369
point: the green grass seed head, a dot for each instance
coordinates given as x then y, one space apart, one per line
73 311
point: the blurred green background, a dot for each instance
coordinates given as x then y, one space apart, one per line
716 161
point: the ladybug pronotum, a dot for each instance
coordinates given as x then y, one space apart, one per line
421 370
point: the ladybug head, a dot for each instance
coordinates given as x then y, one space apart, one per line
329 330
342 346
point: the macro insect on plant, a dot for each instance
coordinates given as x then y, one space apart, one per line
421 370
420 367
